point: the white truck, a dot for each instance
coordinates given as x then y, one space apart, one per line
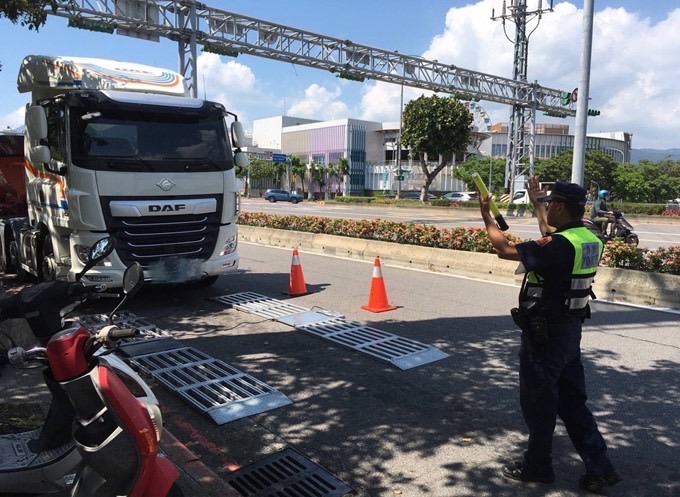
521 196
120 149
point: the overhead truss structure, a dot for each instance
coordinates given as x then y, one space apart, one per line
193 24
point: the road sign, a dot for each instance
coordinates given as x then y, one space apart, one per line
400 177
279 157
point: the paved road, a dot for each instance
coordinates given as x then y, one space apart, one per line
442 429
439 430
653 233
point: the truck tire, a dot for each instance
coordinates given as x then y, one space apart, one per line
6 264
48 264
21 275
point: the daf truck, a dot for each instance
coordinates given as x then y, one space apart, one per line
120 149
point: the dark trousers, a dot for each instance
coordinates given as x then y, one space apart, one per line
552 383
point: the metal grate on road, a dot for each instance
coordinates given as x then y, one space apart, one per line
402 352
213 387
260 305
286 474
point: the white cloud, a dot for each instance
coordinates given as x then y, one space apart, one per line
634 69
12 120
320 102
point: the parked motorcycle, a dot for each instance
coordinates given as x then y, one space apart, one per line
619 228
98 439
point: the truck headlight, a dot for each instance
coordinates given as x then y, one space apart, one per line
229 246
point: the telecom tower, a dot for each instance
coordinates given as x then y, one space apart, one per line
522 113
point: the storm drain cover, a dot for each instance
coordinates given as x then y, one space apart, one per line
286 474
211 386
401 352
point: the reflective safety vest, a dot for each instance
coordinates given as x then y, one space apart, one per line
587 252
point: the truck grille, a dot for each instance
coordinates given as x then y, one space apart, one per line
151 239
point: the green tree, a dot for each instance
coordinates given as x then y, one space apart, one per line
599 170
30 13
435 127
299 170
555 168
481 166
343 169
261 169
319 174
630 184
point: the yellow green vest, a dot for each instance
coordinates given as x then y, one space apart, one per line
587 252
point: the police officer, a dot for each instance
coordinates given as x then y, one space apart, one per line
553 302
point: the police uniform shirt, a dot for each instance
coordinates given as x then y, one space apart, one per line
552 258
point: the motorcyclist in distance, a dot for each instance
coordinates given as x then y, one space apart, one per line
600 213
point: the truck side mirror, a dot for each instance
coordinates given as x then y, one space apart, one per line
241 159
238 137
39 154
36 123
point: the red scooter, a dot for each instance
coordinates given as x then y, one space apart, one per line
115 433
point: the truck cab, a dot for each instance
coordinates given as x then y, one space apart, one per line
119 149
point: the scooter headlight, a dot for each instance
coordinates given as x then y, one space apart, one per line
156 419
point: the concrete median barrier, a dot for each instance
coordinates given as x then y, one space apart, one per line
619 285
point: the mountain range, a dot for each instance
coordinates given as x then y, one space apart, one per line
653 155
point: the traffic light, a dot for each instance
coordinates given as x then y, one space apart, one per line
593 112
566 98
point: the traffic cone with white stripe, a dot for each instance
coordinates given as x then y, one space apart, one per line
377 298
296 282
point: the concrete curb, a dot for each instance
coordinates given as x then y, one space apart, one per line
618 285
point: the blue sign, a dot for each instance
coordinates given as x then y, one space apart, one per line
279 157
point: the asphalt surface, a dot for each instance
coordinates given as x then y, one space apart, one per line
439 430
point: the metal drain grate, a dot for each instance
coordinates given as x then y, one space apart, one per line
260 305
123 319
213 387
402 352
286 474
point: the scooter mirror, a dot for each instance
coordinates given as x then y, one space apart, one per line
133 279
100 250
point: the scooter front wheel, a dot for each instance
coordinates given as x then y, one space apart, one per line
632 240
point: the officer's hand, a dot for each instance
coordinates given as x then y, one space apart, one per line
534 189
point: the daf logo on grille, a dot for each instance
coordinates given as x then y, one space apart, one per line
165 184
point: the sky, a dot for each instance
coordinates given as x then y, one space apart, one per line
635 72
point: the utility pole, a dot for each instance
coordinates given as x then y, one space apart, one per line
522 113
578 164
401 112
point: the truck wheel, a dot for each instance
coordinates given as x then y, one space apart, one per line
14 260
8 266
48 265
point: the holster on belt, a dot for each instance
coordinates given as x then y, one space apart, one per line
534 327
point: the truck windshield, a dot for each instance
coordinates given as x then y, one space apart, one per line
114 139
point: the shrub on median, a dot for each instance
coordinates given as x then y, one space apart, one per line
616 254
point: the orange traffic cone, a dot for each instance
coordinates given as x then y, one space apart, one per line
296 283
377 298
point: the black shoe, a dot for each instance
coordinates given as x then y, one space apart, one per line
597 484
519 472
